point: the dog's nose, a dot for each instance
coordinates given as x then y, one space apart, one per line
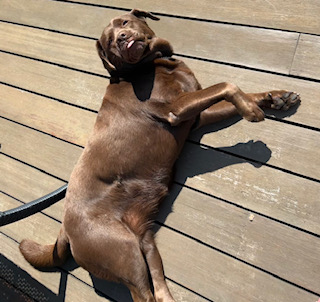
122 36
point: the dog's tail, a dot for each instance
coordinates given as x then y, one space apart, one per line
45 256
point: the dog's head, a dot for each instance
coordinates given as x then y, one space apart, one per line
128 40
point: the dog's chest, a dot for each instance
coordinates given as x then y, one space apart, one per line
171 82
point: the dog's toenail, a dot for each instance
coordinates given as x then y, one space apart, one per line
293 97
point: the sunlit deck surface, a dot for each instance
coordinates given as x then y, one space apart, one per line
242 222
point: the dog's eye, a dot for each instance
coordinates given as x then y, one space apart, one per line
124 23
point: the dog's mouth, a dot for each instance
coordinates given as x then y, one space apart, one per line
132 50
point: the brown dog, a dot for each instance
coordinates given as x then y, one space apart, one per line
124 172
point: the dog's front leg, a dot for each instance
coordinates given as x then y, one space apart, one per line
276 99
189 105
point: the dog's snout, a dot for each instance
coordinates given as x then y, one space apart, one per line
123 36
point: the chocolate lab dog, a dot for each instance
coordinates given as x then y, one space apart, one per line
150 106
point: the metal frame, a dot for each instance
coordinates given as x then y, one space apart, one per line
32 207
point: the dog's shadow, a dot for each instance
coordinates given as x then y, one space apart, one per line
195 160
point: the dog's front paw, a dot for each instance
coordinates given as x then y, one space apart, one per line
173 119
283 100
251 112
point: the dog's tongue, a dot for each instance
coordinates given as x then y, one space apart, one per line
130 44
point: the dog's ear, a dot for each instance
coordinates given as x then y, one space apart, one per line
143 14
106 63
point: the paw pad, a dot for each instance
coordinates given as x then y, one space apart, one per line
284 101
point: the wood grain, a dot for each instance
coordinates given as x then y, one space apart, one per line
290 15
66 50
33 41
283 142
54 118
250 237
217 276
56 82
307 58
254 47
253 81
39 150
262 189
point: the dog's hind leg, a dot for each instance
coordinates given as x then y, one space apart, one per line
137 296
134 271
113 252
42 256
150 250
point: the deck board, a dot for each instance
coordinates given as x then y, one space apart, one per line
288 15
33 76
261 189
295 141
285 142
236 211
47 115
253 81
307 58
53 81
74 52
253 239
254 47
32 42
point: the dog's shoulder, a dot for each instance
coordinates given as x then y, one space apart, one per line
168 62
180 72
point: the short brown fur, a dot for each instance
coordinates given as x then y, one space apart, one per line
125 170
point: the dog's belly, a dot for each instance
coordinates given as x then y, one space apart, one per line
121 164
126 145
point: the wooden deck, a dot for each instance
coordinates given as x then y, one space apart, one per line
242 222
